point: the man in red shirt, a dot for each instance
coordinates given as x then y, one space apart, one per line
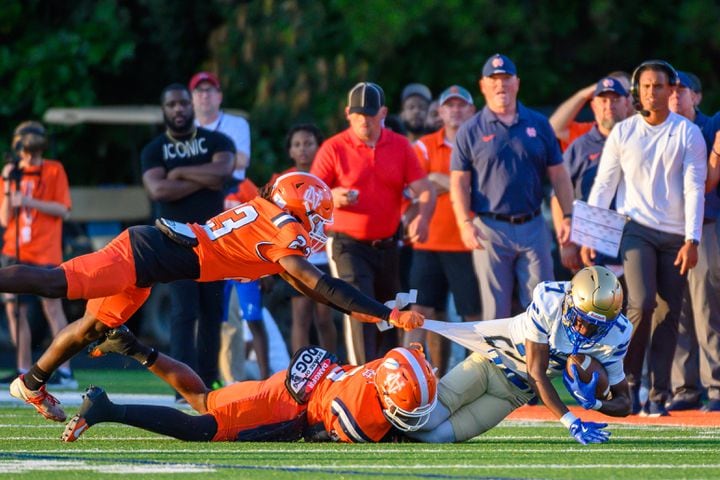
368 167
442 263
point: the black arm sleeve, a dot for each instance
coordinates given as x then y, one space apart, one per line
347 299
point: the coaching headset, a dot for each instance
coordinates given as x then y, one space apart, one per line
635 81
29 136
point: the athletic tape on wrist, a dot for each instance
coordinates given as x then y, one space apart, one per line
568 419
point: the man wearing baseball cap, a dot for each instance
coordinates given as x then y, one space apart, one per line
498 165
582 158
368 167
207 97
696 364
415 101
442 263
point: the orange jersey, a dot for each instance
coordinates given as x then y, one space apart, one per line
245 242
40 233
443 235
347 403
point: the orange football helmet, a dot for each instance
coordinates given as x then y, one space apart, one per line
309 200
407 387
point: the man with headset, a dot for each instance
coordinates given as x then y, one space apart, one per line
655 160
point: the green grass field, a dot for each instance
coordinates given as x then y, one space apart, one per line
30 448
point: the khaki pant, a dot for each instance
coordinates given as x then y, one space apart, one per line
478 396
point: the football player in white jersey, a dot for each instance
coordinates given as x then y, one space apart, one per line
515 358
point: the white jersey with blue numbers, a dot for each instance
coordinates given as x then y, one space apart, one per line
503 341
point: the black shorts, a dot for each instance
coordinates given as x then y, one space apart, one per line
159 259
435 274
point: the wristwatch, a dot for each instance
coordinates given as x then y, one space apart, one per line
693 241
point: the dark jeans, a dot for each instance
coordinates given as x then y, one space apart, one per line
195 320
655 292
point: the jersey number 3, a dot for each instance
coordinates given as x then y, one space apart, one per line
231 220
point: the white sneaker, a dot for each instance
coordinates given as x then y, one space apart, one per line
46 405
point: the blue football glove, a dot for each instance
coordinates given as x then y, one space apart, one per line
583 393
589 432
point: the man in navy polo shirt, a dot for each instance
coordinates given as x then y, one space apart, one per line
583 156
497 168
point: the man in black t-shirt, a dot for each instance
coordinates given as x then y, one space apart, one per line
184 170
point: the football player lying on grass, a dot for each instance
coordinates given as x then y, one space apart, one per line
273 233
515 358
316 399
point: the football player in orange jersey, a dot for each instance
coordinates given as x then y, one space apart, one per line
316 398
272 233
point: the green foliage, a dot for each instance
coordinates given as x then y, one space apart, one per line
286 61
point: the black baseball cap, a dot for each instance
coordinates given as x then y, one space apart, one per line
366 98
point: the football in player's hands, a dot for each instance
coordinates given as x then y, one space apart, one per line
586 366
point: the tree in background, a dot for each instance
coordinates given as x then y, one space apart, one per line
285 61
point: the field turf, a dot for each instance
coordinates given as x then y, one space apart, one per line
30 448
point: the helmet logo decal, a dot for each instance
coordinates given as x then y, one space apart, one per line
313 198
394 383
596 316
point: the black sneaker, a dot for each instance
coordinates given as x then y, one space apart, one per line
118 340
94 401
679 404
61 380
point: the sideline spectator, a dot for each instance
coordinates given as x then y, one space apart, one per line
184 170
433 122
207 98
36 201
697 357
368 167
500 158
583 157
415 103
656 162
563 118
301 144
443 264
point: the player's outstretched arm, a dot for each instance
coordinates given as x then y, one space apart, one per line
307 279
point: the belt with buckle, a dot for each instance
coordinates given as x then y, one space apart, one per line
513 219
381 243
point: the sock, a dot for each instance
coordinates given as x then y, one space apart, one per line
36 378
169 421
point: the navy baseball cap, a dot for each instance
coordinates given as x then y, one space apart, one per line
610 85
688 80
366 98
455 91
498 63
